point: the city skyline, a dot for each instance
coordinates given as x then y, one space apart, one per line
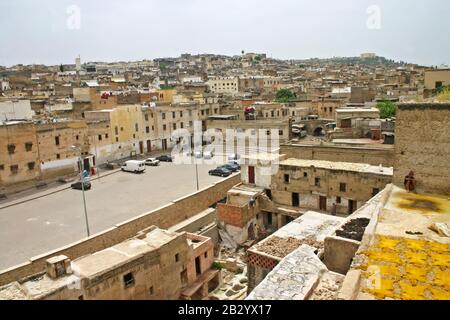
52 33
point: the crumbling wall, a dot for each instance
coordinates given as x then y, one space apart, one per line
422 144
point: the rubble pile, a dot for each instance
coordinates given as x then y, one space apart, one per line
281 247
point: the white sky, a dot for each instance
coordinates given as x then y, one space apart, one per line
112 30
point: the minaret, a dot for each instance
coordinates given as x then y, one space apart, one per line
78 64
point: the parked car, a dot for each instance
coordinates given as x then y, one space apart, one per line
233 156
79 186
220 172
165 158
198 154
231 167
135 166
208 155
152 162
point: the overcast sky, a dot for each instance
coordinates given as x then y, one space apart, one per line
48 32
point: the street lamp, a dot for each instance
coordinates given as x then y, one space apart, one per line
74 147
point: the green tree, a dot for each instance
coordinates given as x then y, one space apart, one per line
61 68
285 95
387 109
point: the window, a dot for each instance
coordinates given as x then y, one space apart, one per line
134 136
181 125
215 111
203 112
177 257
153 128
272 113
173 115
117 139
375 191
163 115
77 137
28 146
99 137
121 128
174 126
106 136
317 182
268 132
57 141
206 254
116 129
14 169
31 165
58 156
190 113
190 123
147 129
338 199
151 290
181 114
305 174
286 178
11 148
438 84
136 127
164 127
342 187
128 280
2 167
146 117
280 132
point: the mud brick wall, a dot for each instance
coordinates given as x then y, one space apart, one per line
258 267
373 156
422 144
163 217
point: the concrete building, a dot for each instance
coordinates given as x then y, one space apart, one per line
16 110
224 85
156 264
436 78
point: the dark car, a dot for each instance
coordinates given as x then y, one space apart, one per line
165 158
231 167
220 172
78 186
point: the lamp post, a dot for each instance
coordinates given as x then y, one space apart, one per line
196 171
82 188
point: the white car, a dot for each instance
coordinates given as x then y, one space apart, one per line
198 154
152 162
135 166
208 155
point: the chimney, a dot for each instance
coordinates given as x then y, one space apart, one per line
58 266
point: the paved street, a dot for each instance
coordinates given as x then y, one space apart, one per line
37 226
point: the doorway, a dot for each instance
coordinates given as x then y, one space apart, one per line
149 146
141 147
251 175
164 144
322 203
351 206
295 199
198 268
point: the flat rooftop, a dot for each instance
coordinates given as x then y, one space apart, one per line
311 228
342 166
109 258
408 250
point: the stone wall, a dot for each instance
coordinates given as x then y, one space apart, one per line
362 154
422 144
163 217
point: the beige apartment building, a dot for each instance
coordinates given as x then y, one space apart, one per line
35 152
224 85
437 78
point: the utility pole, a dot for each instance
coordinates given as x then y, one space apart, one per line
82 188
